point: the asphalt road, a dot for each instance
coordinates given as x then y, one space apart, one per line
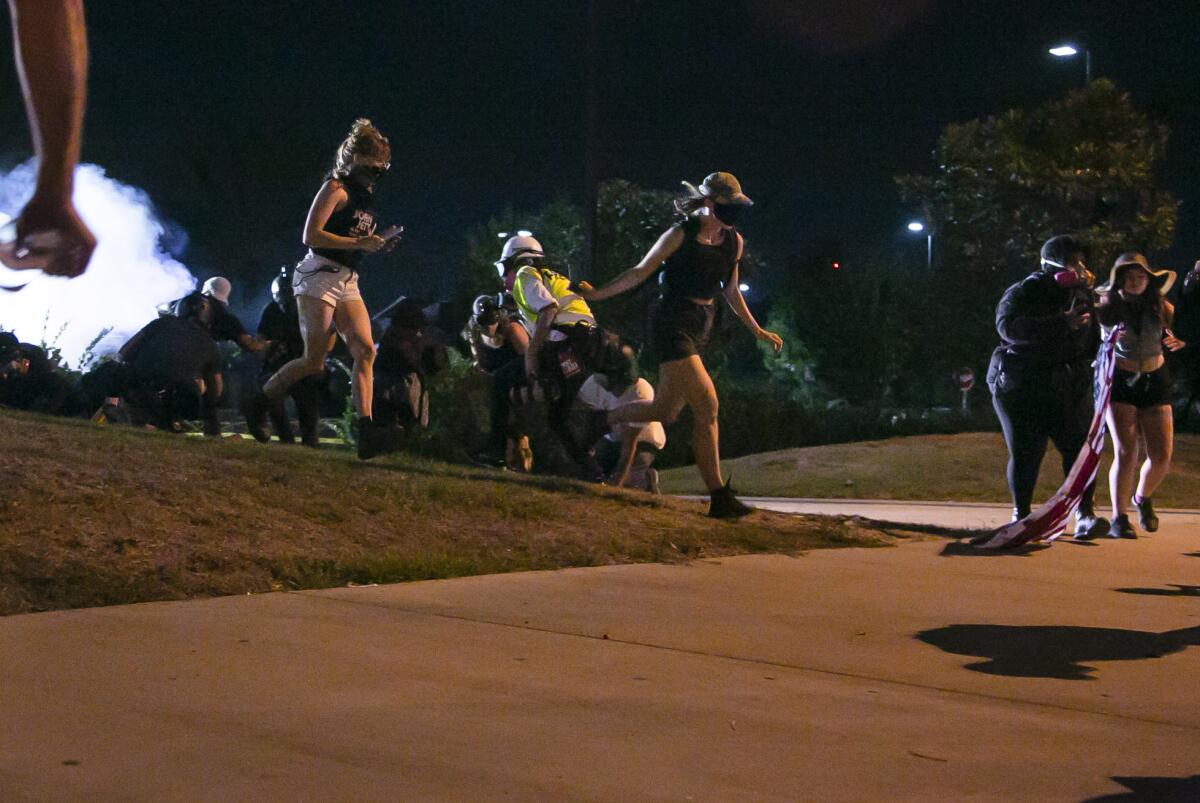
927 671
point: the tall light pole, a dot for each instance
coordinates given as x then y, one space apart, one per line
1067 51
916 227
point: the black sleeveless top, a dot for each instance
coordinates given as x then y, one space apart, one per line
696 270
355 219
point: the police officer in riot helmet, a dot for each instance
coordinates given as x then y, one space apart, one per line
498 342
1041 374
175 368
279 325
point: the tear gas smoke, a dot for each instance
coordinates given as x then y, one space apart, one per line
129 276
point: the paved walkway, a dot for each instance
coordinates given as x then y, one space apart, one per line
967 515
923 672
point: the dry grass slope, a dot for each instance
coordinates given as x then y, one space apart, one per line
95 516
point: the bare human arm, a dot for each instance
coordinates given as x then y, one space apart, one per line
518 338
50 43
1170 341
666 245
629 438
251 343
330 198
737 303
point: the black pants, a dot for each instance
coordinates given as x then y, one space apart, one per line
561 390
1054 408
165 404
505 379
307 395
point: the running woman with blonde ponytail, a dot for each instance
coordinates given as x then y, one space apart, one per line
699 259
339 232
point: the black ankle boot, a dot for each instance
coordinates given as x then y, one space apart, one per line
256 415
376 439
725 505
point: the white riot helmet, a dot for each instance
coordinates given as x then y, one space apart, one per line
521 245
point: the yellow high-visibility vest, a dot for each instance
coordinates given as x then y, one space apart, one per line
558 286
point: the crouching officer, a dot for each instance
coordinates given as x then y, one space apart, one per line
565 343
1041 374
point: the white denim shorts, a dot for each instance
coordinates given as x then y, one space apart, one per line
325 279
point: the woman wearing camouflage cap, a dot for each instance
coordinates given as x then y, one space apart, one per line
699 258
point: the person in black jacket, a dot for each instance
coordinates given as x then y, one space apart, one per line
1187 327
279 328
174 368
1041 374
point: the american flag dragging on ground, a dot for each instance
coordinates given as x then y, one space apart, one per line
1048 521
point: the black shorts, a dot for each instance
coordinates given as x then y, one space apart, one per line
682 328
1151 389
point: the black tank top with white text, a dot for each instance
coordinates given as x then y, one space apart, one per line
355 219
696 270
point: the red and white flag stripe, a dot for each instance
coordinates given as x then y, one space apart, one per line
1048 521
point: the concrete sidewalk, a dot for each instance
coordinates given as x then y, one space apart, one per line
922 672
965 515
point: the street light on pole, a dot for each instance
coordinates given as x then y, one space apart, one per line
917 227
1068 51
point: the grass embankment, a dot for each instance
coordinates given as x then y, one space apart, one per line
968 467
97 516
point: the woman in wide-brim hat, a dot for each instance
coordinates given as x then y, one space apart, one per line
699 258
1135 298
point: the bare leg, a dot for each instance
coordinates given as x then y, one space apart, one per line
1122 425
702 398
669 398
1158 429
354 325
316 323
684 382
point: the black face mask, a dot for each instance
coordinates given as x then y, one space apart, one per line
364 176
729 214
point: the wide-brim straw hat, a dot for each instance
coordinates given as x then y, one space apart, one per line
1165 279
723 188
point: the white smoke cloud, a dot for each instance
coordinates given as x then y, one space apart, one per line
129 276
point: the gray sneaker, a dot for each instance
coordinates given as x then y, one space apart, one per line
1121 528
652 482
1146 515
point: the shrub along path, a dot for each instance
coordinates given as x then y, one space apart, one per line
101 516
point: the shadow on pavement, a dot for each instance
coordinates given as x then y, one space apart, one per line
1036 651
1175 590
1167 790
1191 554
963 549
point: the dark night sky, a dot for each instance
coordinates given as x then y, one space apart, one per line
227 113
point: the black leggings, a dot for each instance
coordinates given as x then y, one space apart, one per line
1031 415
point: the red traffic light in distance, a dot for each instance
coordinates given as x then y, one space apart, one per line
835 265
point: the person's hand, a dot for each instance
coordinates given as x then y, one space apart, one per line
371 243
1193 276
1079 319
770 337
50 236
1171 342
